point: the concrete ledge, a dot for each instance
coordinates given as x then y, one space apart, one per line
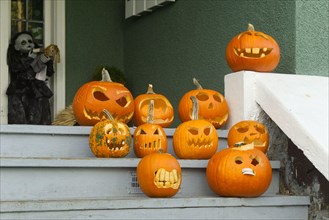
96 162
150 203
278 207
297 104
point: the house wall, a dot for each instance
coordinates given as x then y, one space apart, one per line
187 39
94 37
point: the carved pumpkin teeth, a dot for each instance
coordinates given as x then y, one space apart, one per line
252 52
165 179
248 171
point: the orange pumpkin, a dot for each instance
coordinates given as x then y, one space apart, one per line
92 97
110 138
252 50
149 138
239 172
248 132
195 139
159 175
212 106
163 111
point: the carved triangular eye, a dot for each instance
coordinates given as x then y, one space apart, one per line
142 132
193 131
242 129
156 131
260 129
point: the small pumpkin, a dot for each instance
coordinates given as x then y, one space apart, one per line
149 138
249 131
253 50
239 172
92 97
195 139
159 175
110 138
163 111
212 105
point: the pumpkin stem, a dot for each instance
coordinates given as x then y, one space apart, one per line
195 108
106 76
160 150
196 82
251 27
150 89
108 115
150 114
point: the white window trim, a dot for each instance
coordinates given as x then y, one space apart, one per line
54 12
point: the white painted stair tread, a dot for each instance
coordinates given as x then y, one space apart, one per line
96 162
146 202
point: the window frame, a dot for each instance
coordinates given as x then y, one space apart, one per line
54 32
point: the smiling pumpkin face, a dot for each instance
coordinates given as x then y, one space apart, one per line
253 50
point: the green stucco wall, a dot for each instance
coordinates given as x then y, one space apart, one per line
94 36
187 39
312 37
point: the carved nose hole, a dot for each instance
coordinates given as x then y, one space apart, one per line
122 101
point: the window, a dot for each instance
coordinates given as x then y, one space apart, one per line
27 15
45 19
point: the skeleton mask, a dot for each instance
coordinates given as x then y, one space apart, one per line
24 43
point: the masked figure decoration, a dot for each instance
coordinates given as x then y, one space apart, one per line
28 92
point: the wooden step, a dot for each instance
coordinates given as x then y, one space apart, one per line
63 178
264 207
62 141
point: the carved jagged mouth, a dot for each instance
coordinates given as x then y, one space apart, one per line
200 142
218 121
92 115
114 144
252 52
166 179
159 120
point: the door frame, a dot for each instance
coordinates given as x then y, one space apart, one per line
54 29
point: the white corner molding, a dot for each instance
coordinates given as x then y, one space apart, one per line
298 104
4 42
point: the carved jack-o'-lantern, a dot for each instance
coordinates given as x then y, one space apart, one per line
163 111
93 97
159 175
212 106
110 138
240 171
252 50
195 139
248 132
149 138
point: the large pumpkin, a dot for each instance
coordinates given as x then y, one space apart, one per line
159 175
92 97
212 105
239 172
110 138
195 139
252 50
163 111
247 132
149 138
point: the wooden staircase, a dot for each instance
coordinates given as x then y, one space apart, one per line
49 172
